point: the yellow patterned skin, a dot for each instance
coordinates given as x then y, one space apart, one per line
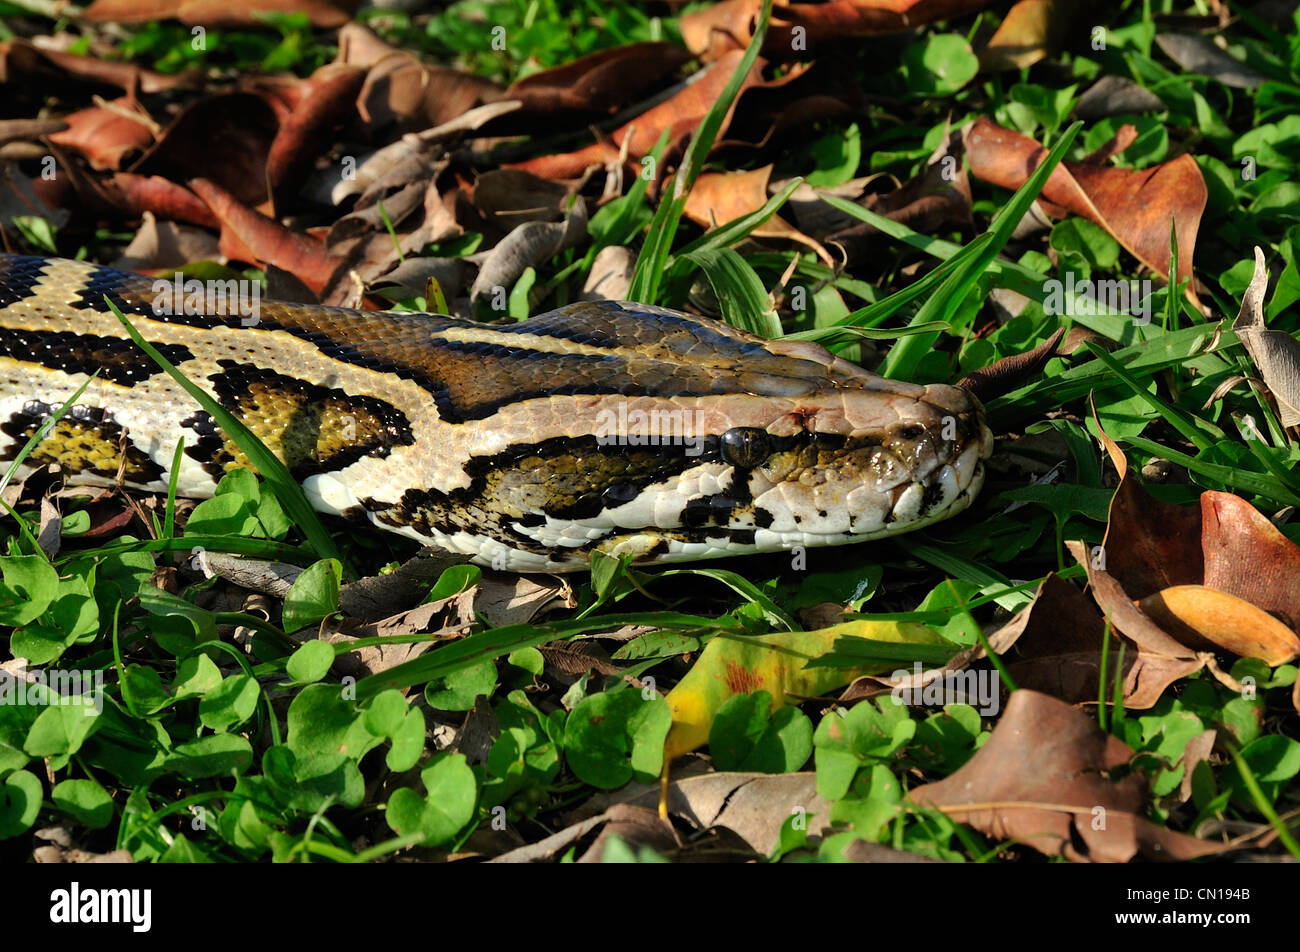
607 426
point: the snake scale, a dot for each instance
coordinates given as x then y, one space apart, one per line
610 426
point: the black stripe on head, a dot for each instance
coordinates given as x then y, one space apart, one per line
116 358
19 275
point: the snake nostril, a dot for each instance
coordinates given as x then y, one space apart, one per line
912 431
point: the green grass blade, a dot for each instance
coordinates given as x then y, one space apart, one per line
739 290
287 490
943 304
653 260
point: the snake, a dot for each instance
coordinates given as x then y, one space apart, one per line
603 426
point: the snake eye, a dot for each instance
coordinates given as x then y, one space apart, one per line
745 446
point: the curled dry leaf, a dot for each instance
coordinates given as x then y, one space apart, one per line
160 245
1195 611
1275 353
938 197
1134 205
326 99
610 277
528 246
722 28
400 89
1043 779
1114 96
52 71
1059 638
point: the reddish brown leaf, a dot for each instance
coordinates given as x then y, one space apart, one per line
1134 205
599 84
324 100
1246 556
136 194
1042 779
720 197
248 236
678 115
24 65
107 137
218 13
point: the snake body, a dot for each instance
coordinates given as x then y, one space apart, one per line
611 427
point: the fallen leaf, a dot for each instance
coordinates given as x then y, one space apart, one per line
218 13
775 663
1059 638
527 246
717 198
239 127
1114 96
1043 779
610 278
1275 353
1032 30
401 90
164 245
1134 205
324 100
678 115
248 236
1196 611
1198 54
106 135
599 84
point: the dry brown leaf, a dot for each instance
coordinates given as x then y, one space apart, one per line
400 89
1042 779
1195 611
720 197
678 115
107 135
248 236
610 277
1275 353
218 13
165 245
1031 31
599 84
1198 54
53 71
1116 95
238 127
1134 205
527 246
